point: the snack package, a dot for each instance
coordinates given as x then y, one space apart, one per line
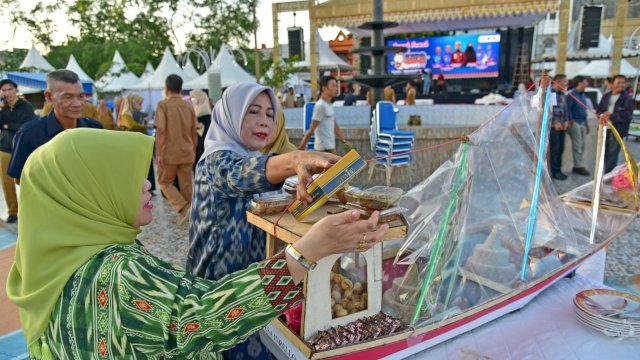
380 197
328 183
269 204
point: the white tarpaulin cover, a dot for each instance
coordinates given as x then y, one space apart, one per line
118 77
230 72
34 60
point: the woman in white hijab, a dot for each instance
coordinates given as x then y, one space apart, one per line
231 170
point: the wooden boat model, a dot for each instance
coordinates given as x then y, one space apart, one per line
486 234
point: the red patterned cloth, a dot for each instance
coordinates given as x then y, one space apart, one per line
278 284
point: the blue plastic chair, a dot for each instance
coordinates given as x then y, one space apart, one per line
308 118
388 142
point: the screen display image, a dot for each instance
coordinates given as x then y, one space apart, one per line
456 57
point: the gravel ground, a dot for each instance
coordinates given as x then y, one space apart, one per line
168 240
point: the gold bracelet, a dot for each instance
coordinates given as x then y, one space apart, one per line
296 255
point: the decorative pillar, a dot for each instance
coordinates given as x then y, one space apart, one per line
313 49
275 52
563 35
618 37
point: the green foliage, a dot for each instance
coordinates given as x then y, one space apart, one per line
280 73
220 22
11 60
139 29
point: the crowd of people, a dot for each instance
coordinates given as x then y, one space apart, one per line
83 198
569 116
86 191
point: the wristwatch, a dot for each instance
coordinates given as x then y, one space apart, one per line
297 256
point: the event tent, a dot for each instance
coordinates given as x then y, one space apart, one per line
327 59
571 70
168 65
148 71
190 71
75 67
118 77
599 69
39 81
230 72
35 61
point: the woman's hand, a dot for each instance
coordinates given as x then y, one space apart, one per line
307 164
336 234
301 163
341 233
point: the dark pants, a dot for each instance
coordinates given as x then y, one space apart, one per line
611 152
556 148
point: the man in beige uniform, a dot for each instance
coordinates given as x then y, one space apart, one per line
176 141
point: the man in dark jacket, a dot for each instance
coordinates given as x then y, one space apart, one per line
14 113
559 122
65 92
617 107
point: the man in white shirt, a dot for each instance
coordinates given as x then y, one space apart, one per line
323 124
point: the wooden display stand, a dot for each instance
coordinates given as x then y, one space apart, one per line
316 310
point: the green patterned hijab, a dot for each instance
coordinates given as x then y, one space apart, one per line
79 194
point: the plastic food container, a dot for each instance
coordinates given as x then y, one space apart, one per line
352 195
380 197
270 204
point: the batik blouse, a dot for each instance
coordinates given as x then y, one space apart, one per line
127 304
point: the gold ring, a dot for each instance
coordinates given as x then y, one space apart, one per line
362 246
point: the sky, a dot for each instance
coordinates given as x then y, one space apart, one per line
21 38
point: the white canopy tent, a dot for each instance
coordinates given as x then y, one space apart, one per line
152 87
327 59
168 65
117 78
571 68
230 72
148 71
190 71
75 67
34 60
599 69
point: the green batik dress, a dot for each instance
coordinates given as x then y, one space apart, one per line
125 303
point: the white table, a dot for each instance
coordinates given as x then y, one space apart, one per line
546 328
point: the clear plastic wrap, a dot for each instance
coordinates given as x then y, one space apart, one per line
271 203
468 225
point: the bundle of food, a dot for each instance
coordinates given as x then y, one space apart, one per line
347 297
360 330
266 204
374 198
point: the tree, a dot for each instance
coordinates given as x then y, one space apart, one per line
277 76
220 22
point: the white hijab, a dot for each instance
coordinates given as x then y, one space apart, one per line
227 117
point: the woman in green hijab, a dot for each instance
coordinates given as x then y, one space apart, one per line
86 288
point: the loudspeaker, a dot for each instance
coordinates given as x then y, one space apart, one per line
590 19
296 42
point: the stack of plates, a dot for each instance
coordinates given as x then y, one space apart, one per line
613 313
